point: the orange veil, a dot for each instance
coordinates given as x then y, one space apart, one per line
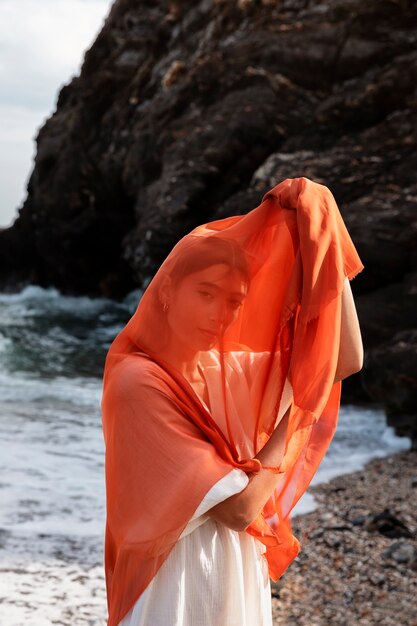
164 448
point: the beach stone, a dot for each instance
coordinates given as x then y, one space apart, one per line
387 524
401 553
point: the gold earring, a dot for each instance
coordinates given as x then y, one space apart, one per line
165 307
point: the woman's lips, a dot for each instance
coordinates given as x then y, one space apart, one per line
209 334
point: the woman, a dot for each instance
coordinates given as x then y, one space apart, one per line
220 399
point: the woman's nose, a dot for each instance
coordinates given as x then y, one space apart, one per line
218 312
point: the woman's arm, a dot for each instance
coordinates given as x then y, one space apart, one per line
238 511
351 349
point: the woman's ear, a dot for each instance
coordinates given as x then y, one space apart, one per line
165 291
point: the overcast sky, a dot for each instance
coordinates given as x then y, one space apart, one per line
42 44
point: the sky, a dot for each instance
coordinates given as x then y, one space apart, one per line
42 45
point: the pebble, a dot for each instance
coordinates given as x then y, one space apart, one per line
359 566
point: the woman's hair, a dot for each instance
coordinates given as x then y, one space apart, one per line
208 251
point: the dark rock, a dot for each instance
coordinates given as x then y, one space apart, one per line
401 553
342 527
185 112
348 597
390 374
387 524
4 537
377 579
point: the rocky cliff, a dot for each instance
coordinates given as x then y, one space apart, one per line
185 112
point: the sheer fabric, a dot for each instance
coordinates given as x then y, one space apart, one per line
283 267
213 575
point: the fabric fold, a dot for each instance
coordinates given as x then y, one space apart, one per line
274 278
234 482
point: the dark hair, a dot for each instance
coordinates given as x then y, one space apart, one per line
207 251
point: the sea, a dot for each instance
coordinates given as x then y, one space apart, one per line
52 492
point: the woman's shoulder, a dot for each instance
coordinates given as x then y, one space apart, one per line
136 371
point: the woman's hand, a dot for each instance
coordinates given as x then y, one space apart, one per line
238 511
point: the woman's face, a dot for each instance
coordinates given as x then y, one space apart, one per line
204 305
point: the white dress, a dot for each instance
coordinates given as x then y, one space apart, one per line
214 576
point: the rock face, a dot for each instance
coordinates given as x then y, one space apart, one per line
185 112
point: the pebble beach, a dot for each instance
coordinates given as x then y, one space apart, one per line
358 565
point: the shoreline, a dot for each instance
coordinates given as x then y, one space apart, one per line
358 564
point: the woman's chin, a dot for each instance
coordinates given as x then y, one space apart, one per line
210 343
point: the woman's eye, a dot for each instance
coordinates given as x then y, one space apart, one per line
235 304
206 294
